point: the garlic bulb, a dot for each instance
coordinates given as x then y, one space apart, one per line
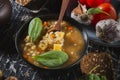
108 30
80 14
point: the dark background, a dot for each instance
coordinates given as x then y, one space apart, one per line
12 64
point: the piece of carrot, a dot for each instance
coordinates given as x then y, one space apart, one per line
53 36
45 23
69 28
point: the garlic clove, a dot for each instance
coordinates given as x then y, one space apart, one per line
80 14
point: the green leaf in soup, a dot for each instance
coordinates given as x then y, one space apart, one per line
35 28
52 58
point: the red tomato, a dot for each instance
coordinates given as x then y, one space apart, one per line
107 7
84 2
95 3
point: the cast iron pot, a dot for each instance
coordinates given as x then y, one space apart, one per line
22 33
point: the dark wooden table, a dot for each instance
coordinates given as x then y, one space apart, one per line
12 64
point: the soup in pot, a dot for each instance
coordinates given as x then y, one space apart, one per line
69 40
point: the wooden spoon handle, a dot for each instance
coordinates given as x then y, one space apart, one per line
63 9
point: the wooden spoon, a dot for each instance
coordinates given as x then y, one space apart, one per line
57 26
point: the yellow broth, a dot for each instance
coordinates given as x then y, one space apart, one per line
73 45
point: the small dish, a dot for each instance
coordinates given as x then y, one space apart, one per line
90 29
34 6
22 33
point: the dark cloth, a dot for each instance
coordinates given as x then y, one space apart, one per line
54 6
116 4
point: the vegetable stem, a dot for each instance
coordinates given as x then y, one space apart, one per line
93 11
105 13
94 69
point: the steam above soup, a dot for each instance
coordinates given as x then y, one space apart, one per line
52 49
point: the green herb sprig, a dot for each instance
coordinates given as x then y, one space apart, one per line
92 76
93 11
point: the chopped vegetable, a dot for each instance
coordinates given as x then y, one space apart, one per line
53 36
57 47
52 58
45 24
60 34
69 27
35 28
